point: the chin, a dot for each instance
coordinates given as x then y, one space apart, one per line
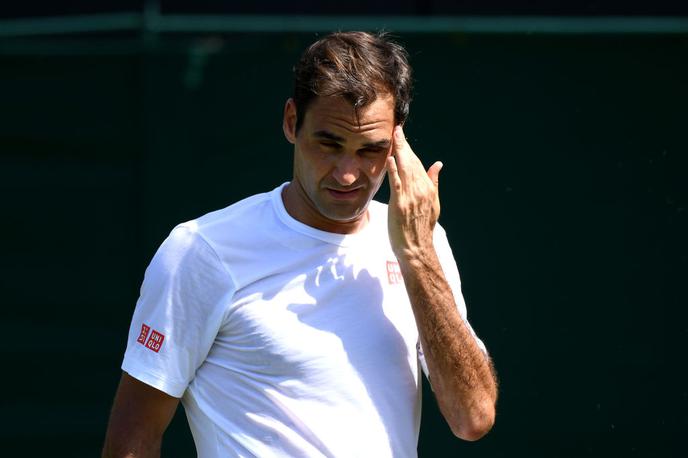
343 218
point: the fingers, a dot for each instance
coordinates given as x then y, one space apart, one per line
393 175
400 147
401 151
407 163
399 139
434 173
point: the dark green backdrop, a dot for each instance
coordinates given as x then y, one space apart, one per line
564 195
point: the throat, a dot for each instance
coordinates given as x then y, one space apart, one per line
301 207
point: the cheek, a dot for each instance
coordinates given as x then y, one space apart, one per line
312 166
376 166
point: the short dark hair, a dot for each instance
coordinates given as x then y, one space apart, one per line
357 66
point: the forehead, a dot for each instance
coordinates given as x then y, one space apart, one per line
338 115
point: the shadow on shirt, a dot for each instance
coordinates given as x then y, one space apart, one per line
352 307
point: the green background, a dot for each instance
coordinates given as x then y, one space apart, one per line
564 196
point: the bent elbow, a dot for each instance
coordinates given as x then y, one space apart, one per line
473 433
475 425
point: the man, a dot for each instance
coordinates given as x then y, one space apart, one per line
293 323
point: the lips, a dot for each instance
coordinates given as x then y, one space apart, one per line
347 194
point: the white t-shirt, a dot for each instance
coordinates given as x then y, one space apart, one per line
283 340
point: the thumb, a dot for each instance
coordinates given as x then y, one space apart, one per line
434 172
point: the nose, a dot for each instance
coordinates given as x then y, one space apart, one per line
347 170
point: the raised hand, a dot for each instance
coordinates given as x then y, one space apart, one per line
414 204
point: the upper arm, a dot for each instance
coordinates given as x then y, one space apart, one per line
140 415
184 297
179 312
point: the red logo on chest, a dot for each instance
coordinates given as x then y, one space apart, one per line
155 340
394 273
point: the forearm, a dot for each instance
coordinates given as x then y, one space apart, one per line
120 446
129 437
459 371
140 415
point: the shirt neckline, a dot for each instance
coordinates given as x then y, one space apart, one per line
329 237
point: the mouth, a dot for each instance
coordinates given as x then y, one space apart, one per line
344 194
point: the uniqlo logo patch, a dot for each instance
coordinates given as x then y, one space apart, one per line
144 333
394 273
155 341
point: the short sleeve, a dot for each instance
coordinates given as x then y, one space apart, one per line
451 273
182 305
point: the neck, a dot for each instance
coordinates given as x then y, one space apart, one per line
301 208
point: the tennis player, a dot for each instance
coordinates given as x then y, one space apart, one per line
297 322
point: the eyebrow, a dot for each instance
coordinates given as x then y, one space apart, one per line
324 134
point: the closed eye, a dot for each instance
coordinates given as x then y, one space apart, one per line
372 150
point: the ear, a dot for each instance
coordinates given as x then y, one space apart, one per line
289 121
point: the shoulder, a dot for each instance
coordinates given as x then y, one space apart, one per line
378 212
233 223
377 206
199 238
439 232
245 210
